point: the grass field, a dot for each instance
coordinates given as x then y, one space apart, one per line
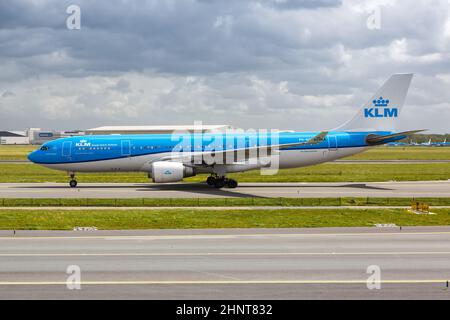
13 152
404 153
327 172
380 153
219 202
193 219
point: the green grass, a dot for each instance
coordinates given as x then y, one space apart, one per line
192 219
13 152
404 153
219 202
327 172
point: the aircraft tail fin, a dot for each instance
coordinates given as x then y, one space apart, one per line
382 111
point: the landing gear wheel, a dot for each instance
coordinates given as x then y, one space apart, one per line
219 183
210 181
232 183
73 183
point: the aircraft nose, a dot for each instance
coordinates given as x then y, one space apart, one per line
33 156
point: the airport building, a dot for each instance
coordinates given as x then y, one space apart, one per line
39 136
13 137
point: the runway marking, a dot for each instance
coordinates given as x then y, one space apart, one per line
220 236
201 254
219 282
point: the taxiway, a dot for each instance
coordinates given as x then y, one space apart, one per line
201 190
227 264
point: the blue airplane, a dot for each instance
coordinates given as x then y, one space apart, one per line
444 143
172 157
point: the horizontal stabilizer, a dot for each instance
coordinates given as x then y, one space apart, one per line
374 139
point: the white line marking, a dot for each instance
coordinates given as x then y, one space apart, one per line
201 254
220 282
221 236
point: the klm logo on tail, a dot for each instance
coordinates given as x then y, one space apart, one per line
380 110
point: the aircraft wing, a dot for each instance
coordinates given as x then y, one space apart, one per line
374 139
187 157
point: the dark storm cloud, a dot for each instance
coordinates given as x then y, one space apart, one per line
193 37
167 36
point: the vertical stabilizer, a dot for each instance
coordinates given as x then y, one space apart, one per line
382 111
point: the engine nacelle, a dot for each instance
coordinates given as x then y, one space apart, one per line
163 171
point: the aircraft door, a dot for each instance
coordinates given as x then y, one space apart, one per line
332 143
67 149
126 148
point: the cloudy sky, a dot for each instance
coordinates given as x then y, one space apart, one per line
285 64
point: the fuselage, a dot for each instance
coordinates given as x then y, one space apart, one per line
121 153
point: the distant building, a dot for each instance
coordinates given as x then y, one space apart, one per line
39 136
153 129
10 137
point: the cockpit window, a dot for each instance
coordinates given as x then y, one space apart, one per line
44 148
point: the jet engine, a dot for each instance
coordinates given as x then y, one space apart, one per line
162 171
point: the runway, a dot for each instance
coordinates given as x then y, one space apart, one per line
201 190
227 264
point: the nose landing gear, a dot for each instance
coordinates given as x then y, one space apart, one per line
220 182
72 183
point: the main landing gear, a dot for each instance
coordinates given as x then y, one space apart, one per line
220 182
72 183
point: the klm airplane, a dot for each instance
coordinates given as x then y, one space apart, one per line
170 158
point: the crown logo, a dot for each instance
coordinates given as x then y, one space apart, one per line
381 102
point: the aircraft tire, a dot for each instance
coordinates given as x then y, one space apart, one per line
219 183
232 184
210 181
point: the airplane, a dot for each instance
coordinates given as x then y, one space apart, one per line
441 144
444 143
160 155
397 144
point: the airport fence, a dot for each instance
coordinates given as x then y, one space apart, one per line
217 202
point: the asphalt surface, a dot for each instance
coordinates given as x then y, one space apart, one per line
227 264
201 190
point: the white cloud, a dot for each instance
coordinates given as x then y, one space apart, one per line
298 64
